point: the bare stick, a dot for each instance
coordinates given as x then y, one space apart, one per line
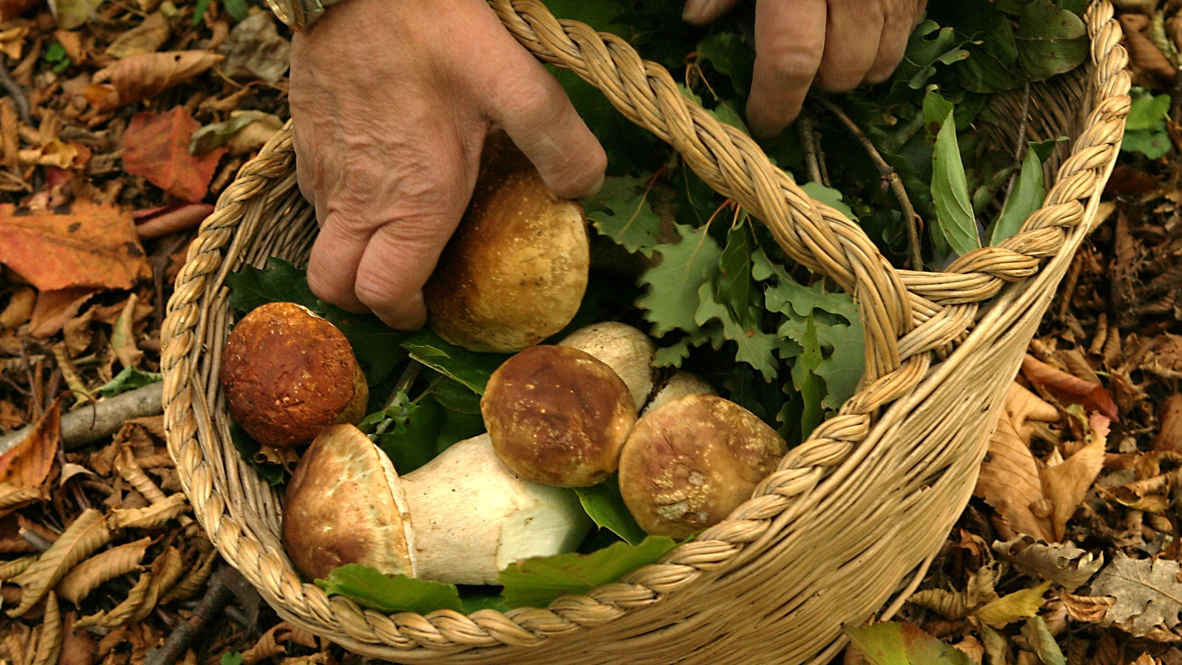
808 141
101 419
16 92
887 172
212 603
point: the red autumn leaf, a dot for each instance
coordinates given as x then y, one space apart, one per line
89 245
156 146
1069 388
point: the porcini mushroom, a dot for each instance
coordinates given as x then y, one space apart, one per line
691 461
680 384
622 347
288 373
558 416
461 518
516 268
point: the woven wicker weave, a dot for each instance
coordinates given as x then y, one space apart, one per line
828 539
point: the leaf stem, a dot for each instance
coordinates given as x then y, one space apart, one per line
888 173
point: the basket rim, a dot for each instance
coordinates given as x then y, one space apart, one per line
898 309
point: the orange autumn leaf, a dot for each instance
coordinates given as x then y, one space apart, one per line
156 146
1069 388
27 465
143 76
87 245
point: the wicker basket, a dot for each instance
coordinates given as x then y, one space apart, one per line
850 519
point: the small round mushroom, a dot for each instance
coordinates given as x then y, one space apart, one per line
288 373
680 384
625 349
516 268
460 518
691 461
558 416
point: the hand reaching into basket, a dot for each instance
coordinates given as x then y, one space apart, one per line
837 44
391 102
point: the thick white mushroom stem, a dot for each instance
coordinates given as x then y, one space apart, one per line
473 516
461 518
628 351
682 383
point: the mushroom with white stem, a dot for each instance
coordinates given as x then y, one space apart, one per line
461 518
682 383
623 348
691 461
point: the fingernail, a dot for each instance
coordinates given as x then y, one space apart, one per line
695 10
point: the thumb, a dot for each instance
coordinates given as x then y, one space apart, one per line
535 112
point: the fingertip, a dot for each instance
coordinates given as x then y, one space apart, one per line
593 190
580 177
700 12
408 314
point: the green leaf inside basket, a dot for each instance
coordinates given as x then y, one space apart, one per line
537 582
390 593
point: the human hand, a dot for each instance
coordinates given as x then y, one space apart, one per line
838 44
391 102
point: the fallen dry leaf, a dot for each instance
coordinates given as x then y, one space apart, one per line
27 465
1064 564
150 517
1066 484
12 41
77 648
958 604
90 245
167 220
147 37
86 533
19 309
1089 609
56 307
1146 58
1069 388
193 581
1011 607
123 335
1147 593
87 575
254 49
156 146
10 9
142 76
1169 436
1009 479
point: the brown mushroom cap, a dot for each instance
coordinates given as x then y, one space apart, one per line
288 374
628 351
558 416
515 270
345 504
691 461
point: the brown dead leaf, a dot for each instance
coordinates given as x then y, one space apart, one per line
86 533
77 333
10 9
147 37
1169 418
91 245
1088 609
1064 564
194 581
77 648
25 468
1065 484
167 220
1010 482
152 516
1147 593
122 613
12 41
55 308
166 570
156 146
19 309
123 335
1069 388
143 76
958 604
1165 357
84 577
1146 58
10 569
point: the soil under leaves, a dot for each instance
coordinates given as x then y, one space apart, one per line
1069 551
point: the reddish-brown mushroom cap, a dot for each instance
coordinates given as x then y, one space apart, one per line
288 374
558 416
691 461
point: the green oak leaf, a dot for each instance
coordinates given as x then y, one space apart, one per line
671 300
389 593
538 581
621 211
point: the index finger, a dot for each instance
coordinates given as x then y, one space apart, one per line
789 45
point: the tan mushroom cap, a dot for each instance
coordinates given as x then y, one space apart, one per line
691 461
516 268
622 347
288 374
345 504
558 416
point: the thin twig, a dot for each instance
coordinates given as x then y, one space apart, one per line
101 419
804 129
16 92
212 603
888 173
1019 147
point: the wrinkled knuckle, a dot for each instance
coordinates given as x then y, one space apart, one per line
795 62
375 290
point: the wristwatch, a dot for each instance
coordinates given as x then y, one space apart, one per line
299 14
